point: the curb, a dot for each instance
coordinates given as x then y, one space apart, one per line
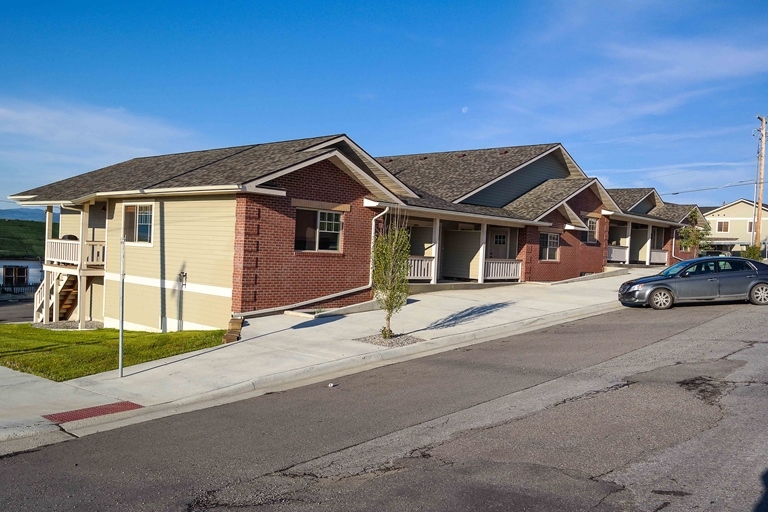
51 433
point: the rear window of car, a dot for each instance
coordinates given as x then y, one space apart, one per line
733 266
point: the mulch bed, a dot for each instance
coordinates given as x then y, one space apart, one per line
398 340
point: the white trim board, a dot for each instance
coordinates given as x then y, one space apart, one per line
168 284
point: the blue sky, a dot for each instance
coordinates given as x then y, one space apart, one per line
642 94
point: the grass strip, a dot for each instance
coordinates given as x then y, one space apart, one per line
69 354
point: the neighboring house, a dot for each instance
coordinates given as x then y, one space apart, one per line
17 275
645 230
262 228
732 226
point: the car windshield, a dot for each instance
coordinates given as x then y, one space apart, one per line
674 269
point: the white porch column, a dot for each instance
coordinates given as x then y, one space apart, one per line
435 250
80 302
82 235
629 240
55 280
46 294
483 236
648 252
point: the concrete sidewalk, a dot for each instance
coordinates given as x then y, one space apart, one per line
279 352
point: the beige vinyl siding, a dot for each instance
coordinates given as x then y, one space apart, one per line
190 234
460 254
147 306
97 220
421 241
96 299
738 217
69 223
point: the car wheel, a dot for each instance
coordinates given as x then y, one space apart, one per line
660 299
759 294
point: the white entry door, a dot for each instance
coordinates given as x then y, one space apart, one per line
498 244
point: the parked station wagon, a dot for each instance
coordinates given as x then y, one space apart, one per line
700 279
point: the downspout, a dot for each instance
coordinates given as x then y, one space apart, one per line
674 245
373 236
270 311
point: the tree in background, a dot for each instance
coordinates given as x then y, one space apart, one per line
694 236
391 248
752 252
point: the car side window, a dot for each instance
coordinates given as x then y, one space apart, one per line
733 266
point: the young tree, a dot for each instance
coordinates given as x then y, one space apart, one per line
694 236
391 248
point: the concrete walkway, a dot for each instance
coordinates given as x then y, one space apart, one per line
279 352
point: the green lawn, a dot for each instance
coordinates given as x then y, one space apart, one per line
64 355
20 239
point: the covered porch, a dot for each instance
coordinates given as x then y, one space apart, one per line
452 250
73 266
638 243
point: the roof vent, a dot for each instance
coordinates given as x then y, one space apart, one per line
503 151
422 158
462 155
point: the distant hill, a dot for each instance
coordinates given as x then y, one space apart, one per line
26 214
21 239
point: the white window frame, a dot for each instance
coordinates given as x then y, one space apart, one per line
726 224
136 225
318 221
553 242
750 226
591 223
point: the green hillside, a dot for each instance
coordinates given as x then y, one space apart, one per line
23 238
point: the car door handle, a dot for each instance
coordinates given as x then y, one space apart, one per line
712 279
750 277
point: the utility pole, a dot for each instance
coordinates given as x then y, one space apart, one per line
759 205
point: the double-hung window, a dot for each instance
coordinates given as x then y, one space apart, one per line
723 226
317 231
590 235
137 223
548 245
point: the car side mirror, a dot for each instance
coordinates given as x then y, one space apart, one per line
685 274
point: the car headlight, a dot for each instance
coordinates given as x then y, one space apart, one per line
635 288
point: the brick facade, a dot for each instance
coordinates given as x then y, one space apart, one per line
269 273
574 256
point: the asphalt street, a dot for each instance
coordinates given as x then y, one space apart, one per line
632 410
16 311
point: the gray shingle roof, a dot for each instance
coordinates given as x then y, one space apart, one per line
672 212
453 174
626 198
227 166
546 196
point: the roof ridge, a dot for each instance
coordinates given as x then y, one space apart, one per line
470 150
328 137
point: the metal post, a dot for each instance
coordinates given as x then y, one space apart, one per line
759 221
121 306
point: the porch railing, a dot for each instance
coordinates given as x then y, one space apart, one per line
420 267
617 253
658 256
502 269
67 252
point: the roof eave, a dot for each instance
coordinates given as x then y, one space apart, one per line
371 203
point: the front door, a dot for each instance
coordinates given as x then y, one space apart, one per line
498 244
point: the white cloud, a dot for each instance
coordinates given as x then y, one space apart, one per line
42 143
